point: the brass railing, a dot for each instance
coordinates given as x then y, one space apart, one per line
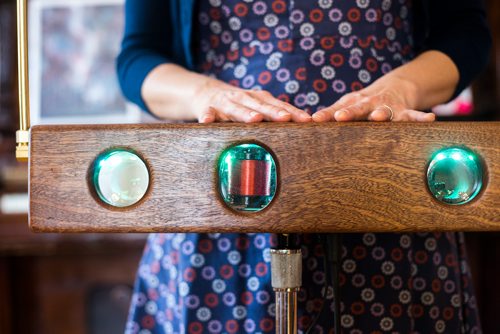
22 135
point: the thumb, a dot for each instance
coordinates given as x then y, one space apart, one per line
208 116
419 116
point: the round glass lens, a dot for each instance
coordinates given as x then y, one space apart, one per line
120 178
455 175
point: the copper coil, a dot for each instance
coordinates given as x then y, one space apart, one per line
251 178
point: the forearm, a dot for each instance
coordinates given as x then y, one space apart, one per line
401 94
170 92
428 80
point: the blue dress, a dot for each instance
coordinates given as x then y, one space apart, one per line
308 53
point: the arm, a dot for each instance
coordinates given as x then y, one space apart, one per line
151 75
144 45
455 49
172 92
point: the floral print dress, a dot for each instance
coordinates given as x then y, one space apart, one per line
308 53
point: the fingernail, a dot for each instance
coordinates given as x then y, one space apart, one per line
283 113
318 117
340 114
253 114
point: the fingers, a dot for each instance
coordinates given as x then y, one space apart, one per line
418 116
270 112
236 112
297 115
381 107
355 112
364 111
328 114
256 106
208 116
382 114
324 115
230 112
239 105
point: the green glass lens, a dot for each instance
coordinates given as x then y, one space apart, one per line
455 175
247 177
120 178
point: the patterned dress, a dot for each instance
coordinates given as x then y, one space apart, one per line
308 53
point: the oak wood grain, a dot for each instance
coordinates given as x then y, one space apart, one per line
336 177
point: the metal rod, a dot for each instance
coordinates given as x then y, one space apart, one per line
286 279
22 135
286 311
333 255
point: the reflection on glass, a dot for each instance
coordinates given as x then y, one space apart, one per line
455 175
247 177
120 178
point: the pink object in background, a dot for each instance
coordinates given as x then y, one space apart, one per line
462 105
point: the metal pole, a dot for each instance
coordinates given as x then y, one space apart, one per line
286 311
286 279
333 256
22 135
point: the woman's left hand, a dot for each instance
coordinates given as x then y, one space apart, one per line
387 99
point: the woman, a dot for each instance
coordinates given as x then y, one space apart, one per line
301 61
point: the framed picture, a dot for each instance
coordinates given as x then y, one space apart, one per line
7 64
72 50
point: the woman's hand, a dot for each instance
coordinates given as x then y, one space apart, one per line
387 99
426 81
221 102
172 92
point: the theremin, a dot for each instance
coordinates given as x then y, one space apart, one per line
274 177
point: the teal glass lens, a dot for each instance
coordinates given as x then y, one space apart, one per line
247 177
455 175
120 178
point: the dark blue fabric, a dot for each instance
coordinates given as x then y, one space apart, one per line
220 283
156 32
160 31
457 28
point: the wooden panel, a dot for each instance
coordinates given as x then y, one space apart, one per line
333 177
5 301
55 292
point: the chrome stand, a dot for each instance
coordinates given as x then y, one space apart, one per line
286 279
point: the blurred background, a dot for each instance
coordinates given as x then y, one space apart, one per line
82 283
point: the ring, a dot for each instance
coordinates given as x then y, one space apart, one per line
390 110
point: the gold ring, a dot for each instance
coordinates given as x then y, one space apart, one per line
390 110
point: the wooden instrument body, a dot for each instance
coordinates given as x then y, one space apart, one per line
335 177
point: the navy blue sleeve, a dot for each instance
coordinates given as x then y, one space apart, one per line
144 46
459 29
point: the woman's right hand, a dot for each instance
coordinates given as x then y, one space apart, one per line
220 102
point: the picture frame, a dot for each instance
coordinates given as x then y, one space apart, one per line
72 51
